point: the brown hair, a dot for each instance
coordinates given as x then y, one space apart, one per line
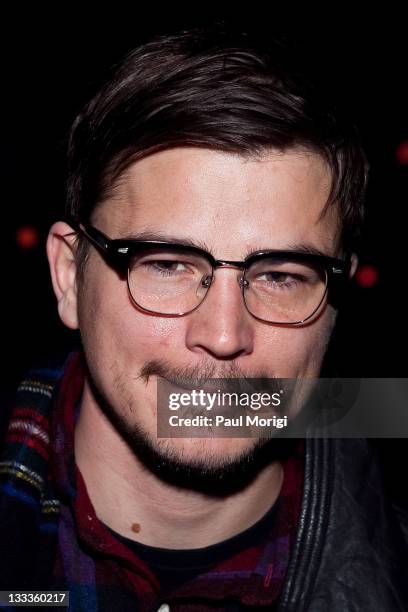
217 89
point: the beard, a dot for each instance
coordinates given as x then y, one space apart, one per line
206 471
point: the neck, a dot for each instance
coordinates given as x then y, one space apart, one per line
136 503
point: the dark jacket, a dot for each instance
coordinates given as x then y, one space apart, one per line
350 553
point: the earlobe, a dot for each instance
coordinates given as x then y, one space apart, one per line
61 259
354 265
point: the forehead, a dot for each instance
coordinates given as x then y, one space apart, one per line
229 202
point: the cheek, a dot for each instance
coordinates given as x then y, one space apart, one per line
113 330
297 352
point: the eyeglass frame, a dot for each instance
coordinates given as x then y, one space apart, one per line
118 251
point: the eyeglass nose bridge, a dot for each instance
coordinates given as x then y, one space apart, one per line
221 263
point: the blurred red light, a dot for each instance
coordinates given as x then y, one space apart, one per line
367 276
27 237
402 153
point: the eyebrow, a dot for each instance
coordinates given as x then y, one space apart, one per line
306 249
146 236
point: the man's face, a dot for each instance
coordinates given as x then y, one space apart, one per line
235 206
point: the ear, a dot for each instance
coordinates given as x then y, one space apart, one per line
61 259
354 265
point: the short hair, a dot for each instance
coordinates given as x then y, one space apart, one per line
214 88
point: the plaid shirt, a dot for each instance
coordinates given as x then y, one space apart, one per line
51 538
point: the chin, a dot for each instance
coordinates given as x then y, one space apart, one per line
214 466
206 452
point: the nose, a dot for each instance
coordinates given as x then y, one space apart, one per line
221 326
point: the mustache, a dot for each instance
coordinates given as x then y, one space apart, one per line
162 368
198 374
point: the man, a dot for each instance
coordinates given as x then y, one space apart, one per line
212 198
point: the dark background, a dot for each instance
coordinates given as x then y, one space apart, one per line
51 64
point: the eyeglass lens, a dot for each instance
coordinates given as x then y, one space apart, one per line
176 282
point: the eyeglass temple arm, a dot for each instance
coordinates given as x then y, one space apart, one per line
94 235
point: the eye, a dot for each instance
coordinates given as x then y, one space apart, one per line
280 278
165 267
272 275
177 264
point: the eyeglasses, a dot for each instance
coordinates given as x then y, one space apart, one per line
173 279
